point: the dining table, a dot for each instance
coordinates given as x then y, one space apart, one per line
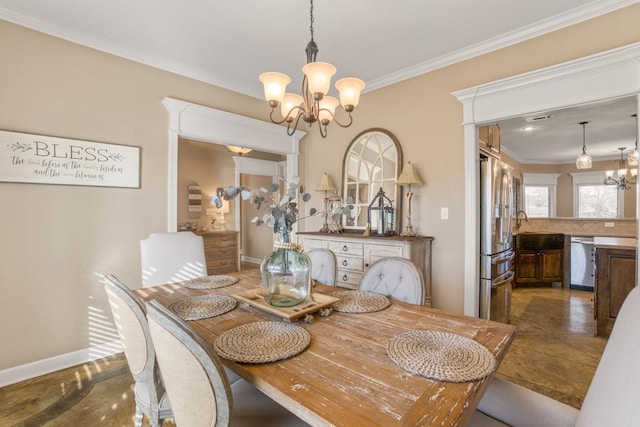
345 377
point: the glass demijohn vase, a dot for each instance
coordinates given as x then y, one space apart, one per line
286 276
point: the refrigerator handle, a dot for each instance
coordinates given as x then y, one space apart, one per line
509 257
510 275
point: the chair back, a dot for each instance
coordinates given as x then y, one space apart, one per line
613 398
130 319
172 257
195 379
323 266
395 277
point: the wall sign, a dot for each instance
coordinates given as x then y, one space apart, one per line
49 160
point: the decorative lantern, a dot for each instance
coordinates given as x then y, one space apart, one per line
380 216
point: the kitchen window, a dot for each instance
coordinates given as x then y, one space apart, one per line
593 199
540 194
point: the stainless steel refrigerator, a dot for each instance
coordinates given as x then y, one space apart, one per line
496 239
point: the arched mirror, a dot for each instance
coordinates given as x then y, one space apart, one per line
372 161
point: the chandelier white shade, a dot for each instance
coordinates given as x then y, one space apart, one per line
584 160
313 105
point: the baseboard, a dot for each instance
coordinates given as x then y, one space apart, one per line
251 260
46 366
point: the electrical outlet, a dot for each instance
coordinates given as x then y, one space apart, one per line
609 224
444 213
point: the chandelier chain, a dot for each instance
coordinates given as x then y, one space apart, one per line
311 26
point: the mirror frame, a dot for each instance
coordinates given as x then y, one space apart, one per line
397 206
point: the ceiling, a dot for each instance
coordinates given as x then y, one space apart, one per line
229 43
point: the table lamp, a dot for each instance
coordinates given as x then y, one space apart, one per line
409 176
221 211
326 185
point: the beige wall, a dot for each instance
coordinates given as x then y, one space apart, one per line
57 240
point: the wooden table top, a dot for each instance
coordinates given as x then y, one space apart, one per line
345 377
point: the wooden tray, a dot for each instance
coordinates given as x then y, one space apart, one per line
254 298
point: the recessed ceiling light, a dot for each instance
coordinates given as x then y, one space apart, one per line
528 128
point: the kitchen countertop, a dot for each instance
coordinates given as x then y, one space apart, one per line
618 242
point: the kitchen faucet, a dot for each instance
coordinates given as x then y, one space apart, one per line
518 221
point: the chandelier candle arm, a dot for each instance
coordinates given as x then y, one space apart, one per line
409 177
622 182
313 105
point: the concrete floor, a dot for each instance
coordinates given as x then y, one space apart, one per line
554 353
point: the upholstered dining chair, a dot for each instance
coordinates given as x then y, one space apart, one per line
131 322
395 277
612 398
172 257
197 383
323 266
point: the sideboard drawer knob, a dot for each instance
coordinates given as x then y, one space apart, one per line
344 248
344 278
344 262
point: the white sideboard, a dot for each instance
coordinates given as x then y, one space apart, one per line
355 253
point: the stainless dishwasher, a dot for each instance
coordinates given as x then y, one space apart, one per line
582 263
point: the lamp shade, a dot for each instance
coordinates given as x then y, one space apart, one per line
326 184
319 76
290 101
274 85
349 89
328 106
409 175
225 207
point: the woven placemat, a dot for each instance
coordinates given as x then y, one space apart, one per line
202 306
441 356
359 301
261 342
210 282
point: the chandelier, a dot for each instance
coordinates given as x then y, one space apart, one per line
622 182
314 105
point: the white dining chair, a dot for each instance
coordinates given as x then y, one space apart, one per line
395 277
611 400
323 266
172 257
131 322
197 384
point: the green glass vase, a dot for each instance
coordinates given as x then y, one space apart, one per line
286 273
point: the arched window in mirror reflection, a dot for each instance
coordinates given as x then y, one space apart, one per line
372 161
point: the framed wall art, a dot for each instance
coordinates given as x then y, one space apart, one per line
38 159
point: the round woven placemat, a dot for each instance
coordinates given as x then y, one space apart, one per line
261 342
359 302
441 356
202 306
210 282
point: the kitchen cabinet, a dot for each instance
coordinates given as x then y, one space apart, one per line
489 139
355 253
535 267
615 277
221 251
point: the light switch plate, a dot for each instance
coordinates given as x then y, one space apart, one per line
444 213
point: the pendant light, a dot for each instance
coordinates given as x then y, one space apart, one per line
584 160
634 155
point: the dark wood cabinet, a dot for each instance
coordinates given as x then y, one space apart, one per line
615 277
221 251
489 138
539 267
